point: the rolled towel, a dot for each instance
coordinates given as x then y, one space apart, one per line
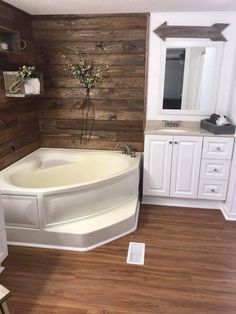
32 86
222 120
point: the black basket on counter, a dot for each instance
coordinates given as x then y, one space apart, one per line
217 129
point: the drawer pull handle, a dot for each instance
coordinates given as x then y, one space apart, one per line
215 170
213 190
218 149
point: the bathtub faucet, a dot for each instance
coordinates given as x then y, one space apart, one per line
125 149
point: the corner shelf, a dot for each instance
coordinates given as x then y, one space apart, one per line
12 39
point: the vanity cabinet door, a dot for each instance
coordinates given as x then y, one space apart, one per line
157 164
185 166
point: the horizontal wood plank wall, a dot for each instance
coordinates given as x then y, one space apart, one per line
119 40
19 127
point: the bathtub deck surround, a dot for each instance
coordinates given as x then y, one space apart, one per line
70 199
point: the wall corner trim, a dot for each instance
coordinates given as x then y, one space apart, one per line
227 215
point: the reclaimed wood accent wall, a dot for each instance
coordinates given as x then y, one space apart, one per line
19 130
119 100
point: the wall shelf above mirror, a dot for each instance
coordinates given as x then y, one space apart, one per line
189 72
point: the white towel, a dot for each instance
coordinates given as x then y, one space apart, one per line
32 86
222 120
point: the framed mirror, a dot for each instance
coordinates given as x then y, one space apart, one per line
189 77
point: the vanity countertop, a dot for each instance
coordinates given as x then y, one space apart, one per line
186 128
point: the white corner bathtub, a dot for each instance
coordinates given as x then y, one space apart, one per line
70 198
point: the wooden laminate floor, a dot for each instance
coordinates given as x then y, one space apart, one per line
190 268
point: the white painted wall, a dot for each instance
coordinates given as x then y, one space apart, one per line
230 205
232 107
224 92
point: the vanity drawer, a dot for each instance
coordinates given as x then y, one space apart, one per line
217 147
212 189
215 169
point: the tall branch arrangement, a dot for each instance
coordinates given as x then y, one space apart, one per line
84 70
88 76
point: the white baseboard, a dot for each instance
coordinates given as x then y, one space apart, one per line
195 203
181 202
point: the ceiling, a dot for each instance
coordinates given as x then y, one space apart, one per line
35 7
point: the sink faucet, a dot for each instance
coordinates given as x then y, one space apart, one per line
125 149
172 124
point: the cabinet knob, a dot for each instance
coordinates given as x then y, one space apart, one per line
215 170
218 149
213 190
176 142
170 142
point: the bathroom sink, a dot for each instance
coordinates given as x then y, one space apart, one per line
172 130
